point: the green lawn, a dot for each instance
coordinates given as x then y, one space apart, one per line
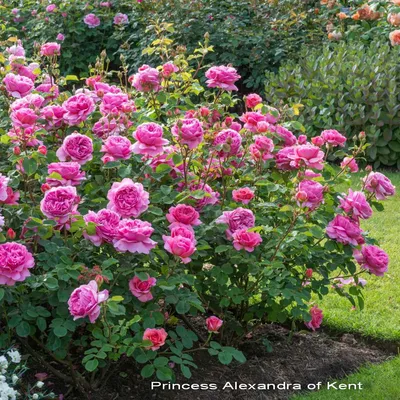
381 315
379 382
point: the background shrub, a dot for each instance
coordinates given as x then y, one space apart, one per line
349 87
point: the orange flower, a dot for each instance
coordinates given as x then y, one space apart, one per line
356 16
394 38
342 15
394 19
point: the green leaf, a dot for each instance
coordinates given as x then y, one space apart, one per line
2 293
186 371
51 283
41 324
225 357
147 371
222 248
30 166
91 365
161 361
164 373
60 331
23 329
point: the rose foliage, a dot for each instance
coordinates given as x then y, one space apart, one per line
144 218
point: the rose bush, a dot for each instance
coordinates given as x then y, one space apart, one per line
179 217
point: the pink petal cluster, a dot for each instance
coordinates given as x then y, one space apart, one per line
244 239
128 199
105 127
70 174
121 19
91 20
222 77
316 318
286 135
262 148
372 258
134 236
76 147
230 142
243 195
106 222
356 205
78 108
379 184
24 118
350 163
183 214
213 324
50 49
85 301
188 131
3 187
116 148
15 262
156 336
54 116
333 137
345 230
257 122
168 69
210 199
307 155
147 79
180 246
150 139
18 86
252 100
142 289
240 218
310 194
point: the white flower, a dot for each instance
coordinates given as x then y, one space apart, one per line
40 384
3 364
15 356
14 379
35 396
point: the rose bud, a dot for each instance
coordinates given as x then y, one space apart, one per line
42 150
11 234
213 324
17 150
309 272
45 187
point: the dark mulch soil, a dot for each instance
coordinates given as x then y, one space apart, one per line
309 358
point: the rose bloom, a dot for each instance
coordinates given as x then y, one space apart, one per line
76 147
50 49
168 69
117 148
183 214
344 230
18 86
372 258
70 174
60 37
240 218
156 337
12 197
134 236
243 195
222 77
356 205
108 127
231 142
243 239
121 19
180 246
253 100
316 318
394 19
23 118
188 131
113 103
142 289
186 231
213 324
253 121
308 155
206 200
147 79
314 194
128 199
91 20
149 139
286 135
54 116
106 226
51 91
15 262
51 8
350 163
84 301
333 137
394 37
16 50
379 184
78 108
283 158
59 203
29 101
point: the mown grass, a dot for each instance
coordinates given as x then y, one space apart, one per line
379 382
381 315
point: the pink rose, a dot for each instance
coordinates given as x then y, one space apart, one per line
302 139
211 199
394 37
91 20
309 173
128 199
185 231
333 137
356 205
168 69
253 100
257 122
117 148
147 79
18 86
379 184
179 246
316 318
372 258
121 19
222 77
108 127
350 163
262 148
112 103
16 50
84 301
24 118
149 139
32 101
317 141
78 108
76 147
12 197
54 116
243 239
106 226
59 203
15 262
314 194
229 142
243 195
240 218
213 324
70 174
283 158
60 37
51 8
142 289
308 155
134 236
51 91
50 49
286 135
188 131
183 214
156 337
344 230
